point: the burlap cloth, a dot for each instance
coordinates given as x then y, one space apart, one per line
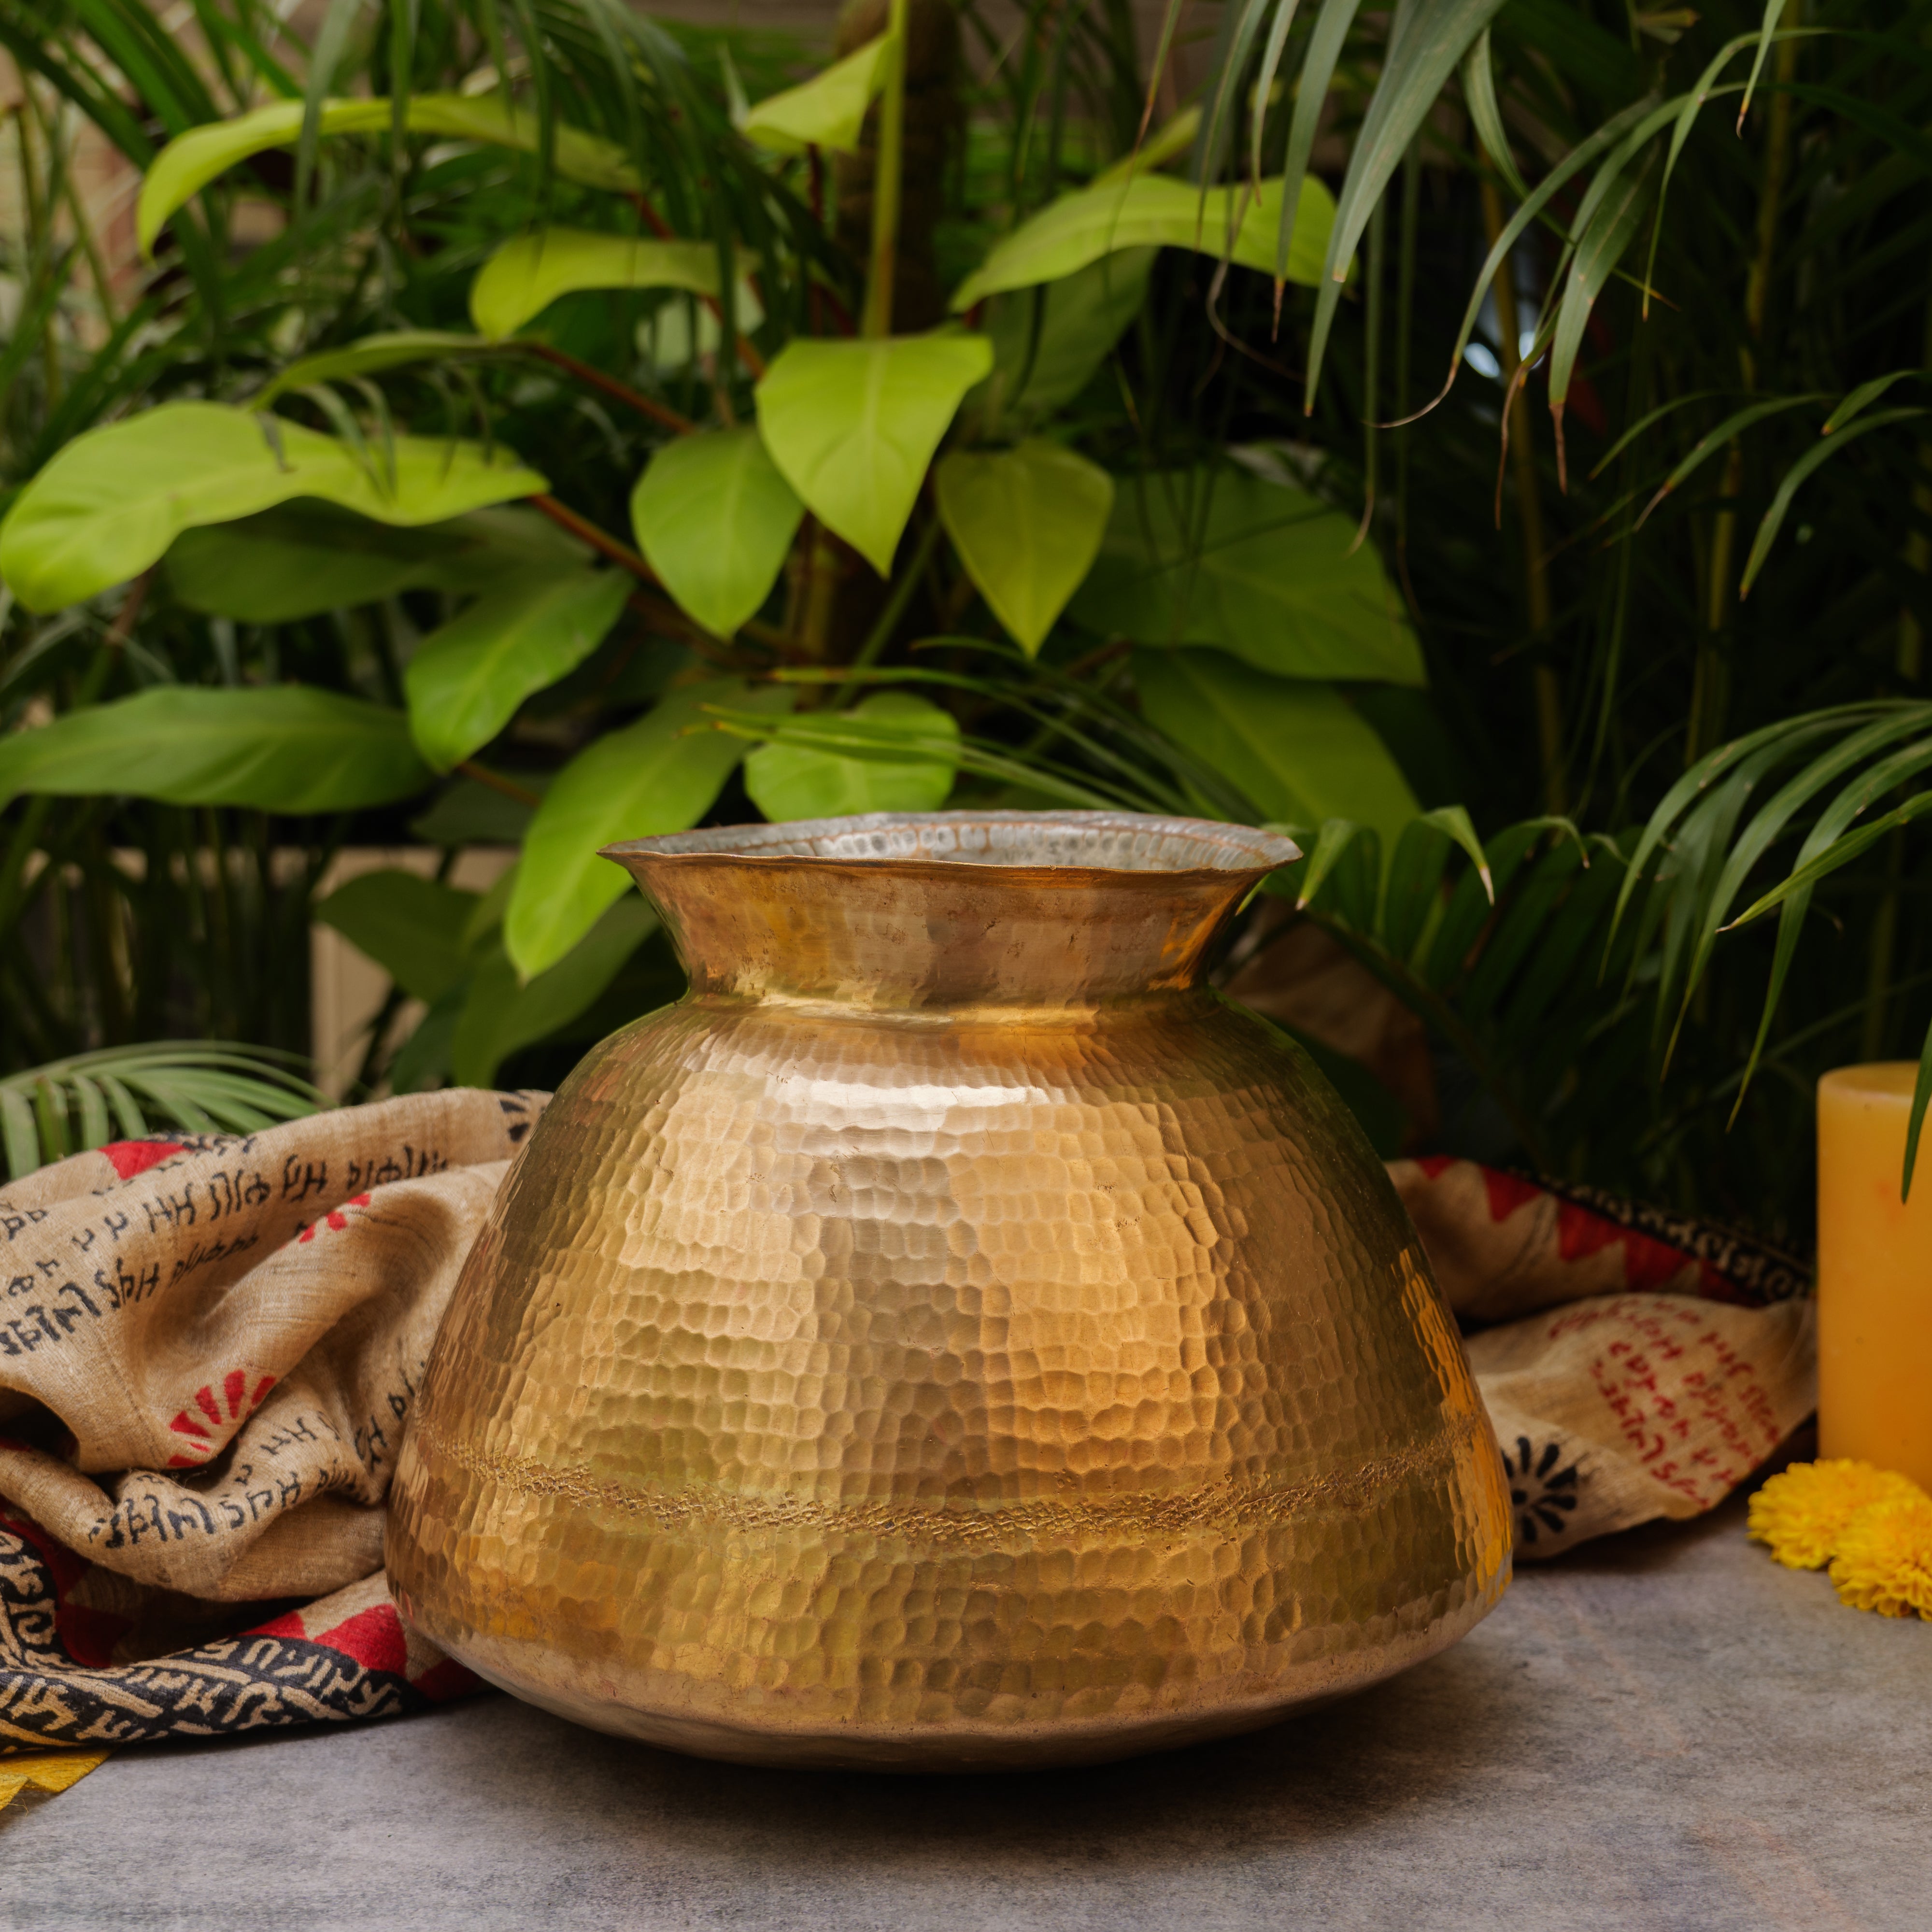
210 1346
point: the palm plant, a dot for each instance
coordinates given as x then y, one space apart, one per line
71 1106
1687 608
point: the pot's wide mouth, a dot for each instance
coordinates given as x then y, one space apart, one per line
1110 841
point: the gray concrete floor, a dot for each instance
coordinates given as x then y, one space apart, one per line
1663 1730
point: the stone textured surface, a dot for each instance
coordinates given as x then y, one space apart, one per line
1663 1730
958 1354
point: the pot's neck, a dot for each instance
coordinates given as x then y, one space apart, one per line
905 936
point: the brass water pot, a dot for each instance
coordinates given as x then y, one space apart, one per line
950 1336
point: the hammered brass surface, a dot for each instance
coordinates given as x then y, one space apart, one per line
950 1337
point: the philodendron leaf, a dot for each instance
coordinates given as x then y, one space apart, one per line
1294 745
1039 369
659 775
301 559
854 425
466 679
294 561
499 1015
1168 142
714 519
112 500
286 747
1027 523
191 161
394 349
1155 210
410 926
468 813
827 111
890 753
1217 555
526 275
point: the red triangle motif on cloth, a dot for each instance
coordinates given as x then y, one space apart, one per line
374 1637
1507 1192
132 1157
1648 1263
88 1636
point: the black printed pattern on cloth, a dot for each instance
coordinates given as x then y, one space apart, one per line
1541 1495
254 1681
1761 1273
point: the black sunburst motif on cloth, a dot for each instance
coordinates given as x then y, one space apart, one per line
1541 1494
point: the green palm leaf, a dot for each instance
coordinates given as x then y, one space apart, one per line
70 1105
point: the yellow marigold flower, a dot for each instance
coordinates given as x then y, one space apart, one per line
1802 1511
1884 1561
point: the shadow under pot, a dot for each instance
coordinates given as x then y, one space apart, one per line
950 1337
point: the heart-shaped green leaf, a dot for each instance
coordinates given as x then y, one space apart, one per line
112 500
659 775
191 161
1041 366
827 111
1216 556
410 926
466 679
286 747
714 519
1294 745
1027 523
1155 210
853 425
526 275
499 1014
890 753
303 558
298 560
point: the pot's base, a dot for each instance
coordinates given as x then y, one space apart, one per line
959 1746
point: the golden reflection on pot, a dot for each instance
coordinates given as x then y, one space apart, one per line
950 1337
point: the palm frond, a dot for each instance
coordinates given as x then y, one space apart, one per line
68 1106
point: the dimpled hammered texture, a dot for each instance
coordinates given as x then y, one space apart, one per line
950 1337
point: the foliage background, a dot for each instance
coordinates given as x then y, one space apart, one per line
1581 652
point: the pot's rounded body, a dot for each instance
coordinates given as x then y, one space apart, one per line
948 1338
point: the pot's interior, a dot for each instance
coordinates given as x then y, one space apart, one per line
1097 840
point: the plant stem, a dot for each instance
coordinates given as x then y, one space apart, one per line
1711 677
823 567
41 234
1711 680
482 776
621 392
1883 943
369 1074
1529 508
83 229
1909 660
877 321
1372 355
754 363
869 653
1405 308
585 531
1911 656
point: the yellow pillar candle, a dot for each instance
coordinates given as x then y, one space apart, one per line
1874 1274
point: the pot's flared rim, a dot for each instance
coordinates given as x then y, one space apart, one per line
994 842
